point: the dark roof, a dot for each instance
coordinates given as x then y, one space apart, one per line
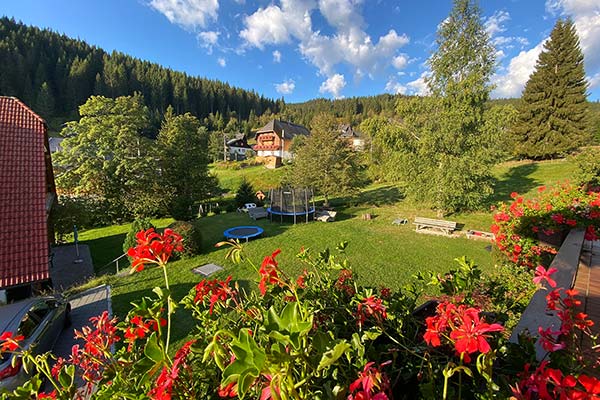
239 140
26 176
287 129
348 132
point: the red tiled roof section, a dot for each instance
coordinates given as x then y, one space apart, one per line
24 175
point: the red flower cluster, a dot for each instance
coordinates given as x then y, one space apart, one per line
8 342
517 224
345 282
140 328
154 248
548 384
269 272
372 307
96 352
168 377
218 291
566 309
462 326
371 384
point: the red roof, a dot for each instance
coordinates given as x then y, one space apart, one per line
27 180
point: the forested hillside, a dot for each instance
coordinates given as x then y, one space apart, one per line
55 74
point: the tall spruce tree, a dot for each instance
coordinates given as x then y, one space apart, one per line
553 114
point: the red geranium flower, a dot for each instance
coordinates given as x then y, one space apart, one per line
154 248
269 272
10 343
371 306
471 334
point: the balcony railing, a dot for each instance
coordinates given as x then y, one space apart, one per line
265 147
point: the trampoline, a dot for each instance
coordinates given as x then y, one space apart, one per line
292 202
243 232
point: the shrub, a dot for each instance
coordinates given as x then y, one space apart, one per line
191 235
588 167
245 193
137 225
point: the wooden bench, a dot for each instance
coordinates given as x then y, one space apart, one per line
446 227
257 213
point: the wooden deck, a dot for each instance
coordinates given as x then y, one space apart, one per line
587 283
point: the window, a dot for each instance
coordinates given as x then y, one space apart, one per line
33 318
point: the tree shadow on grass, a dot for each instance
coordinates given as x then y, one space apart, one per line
516 179
104 250
384 195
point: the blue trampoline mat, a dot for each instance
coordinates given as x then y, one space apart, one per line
271 211
243 232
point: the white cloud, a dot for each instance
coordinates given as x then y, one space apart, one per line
278 24
512 82
586 17
419 86
285 87
495 24
208 39
395 87
189 14
333 85
221 61
342 14
277 56
400 61
290 21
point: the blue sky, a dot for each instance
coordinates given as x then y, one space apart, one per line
302 49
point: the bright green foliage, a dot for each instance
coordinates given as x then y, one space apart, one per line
325 162
105 156
553 115
588 167
441 150
137 225
184 178
245 193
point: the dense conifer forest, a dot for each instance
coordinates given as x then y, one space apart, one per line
56 74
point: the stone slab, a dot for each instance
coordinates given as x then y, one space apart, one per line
207 269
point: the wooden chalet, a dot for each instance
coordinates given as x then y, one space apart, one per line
274 140
26 196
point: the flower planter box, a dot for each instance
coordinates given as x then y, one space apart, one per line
554 240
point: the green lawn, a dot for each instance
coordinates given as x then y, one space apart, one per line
260 177
381 253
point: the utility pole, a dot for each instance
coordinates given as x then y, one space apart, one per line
224 148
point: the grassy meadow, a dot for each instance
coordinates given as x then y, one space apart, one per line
381 254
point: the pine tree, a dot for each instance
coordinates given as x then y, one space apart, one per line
44 104
553 114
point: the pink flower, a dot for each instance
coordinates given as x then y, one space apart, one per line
541 275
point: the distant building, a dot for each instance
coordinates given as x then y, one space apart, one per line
238 148
54 143
26 196
354 137
273 141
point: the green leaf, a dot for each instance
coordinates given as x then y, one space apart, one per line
153 350
249 362
289 326
331 356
